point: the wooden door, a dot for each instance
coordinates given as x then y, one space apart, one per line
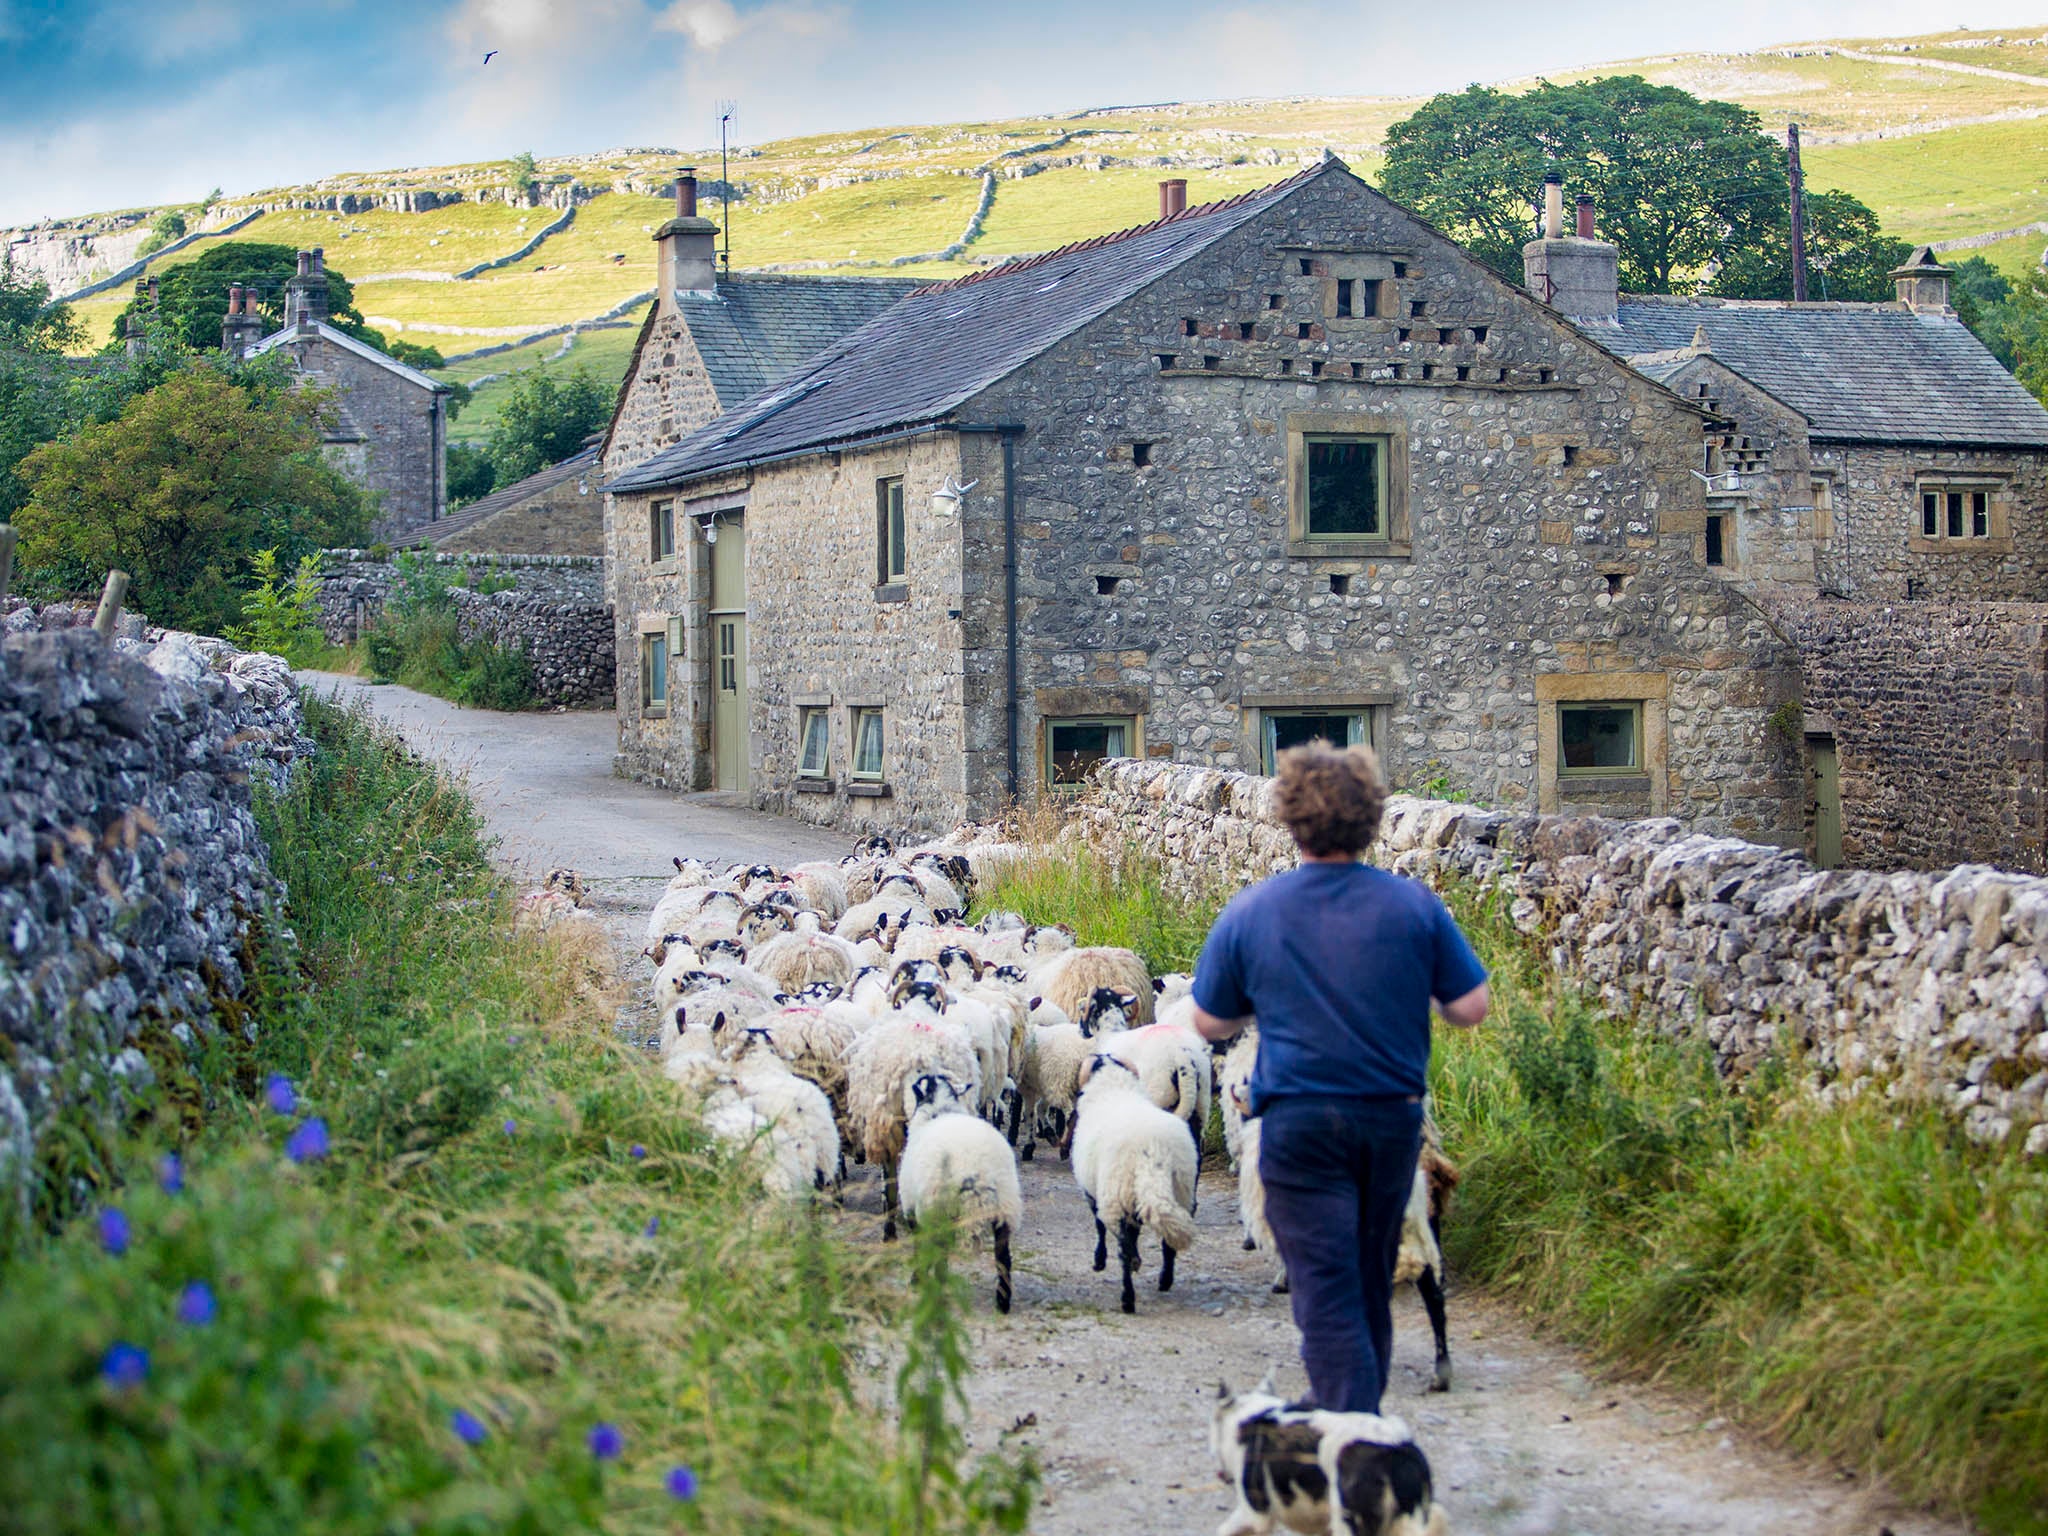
1827 802
729 656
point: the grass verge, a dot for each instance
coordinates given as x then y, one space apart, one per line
506 1285
1855 1280
422 650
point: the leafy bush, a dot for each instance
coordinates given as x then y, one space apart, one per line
510 1287
421 649
471 475
284 620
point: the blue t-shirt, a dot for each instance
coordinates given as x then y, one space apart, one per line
1339 962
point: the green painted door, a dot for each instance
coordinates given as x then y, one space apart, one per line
1827 802
729 656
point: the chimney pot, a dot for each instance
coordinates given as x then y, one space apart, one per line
686 192
305 263
1173 197
319 261
1585 212
1553 206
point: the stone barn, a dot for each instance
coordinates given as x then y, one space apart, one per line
389 426
554 511
1287 466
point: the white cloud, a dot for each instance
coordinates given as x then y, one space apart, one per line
709 24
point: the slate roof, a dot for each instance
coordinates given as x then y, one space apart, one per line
760 327
946 343
583 461
1858 372
303 330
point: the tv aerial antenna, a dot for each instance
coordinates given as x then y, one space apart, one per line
728 113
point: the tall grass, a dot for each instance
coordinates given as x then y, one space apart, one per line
1854 1279
514 1237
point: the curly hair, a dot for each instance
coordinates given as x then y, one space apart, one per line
1330 798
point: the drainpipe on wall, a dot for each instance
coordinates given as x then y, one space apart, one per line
1016 787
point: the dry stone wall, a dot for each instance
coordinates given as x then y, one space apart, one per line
355 585
1929 985
568 644
130 862
1939 714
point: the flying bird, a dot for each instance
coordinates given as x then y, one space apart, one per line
490 56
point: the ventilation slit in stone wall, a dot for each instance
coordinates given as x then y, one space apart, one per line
1402 337
1340 585
1244 330
1446 335
1416 309
1165 359
1188 327
1464 373
1301 331
1272 301
1141 454
1479 334
1209 362
1358 370
1315 368
1308 267
1400 269
1543 375
1105 586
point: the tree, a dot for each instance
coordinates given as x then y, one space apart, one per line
2026 332
1983 301
183 485
1848 257
545 419
522 174
193 296
29 322
471 475
1679 182
166 227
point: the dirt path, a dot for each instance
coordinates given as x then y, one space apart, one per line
1529 1442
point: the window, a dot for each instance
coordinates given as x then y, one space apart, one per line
867 745
1954 512
1369 295
1823 510
661 531
1599 738
1284 728
654 672
1717 553
891 561
1343 298
1346 487
814 736
1074 747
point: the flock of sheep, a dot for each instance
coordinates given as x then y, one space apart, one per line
836 1010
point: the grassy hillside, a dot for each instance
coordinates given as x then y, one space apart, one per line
1913 126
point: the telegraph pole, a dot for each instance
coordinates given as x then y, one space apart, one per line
1798 213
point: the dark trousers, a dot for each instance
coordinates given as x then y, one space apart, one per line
1338 1172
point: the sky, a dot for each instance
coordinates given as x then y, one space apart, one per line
116 103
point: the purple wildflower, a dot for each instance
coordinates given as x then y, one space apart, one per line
681 1484
196 1306
308 1144
126 1365
511 1127
653 1226
636 1151
469 1429
114 1232
170 1173
277 1089
606 1442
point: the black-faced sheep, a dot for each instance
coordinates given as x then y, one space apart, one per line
1134 1163
953 1159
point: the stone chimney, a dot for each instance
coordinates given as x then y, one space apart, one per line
243 326
1922 283
686 247
1173 197
137 340
1577 275
305 295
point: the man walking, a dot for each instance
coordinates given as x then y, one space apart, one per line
1339 962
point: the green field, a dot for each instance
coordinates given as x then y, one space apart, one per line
847 199
603 354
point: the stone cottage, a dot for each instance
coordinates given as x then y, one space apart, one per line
1287 466
554 511
388 429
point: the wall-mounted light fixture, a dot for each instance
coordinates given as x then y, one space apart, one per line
947 498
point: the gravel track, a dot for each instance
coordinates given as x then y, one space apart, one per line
1530 1441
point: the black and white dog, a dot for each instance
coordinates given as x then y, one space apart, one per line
1300 1469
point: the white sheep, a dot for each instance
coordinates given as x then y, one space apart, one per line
802 1134
953 1159
1071 978
821 886
1173 1062
794 960
882 1063
1049 1081
1136 1166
